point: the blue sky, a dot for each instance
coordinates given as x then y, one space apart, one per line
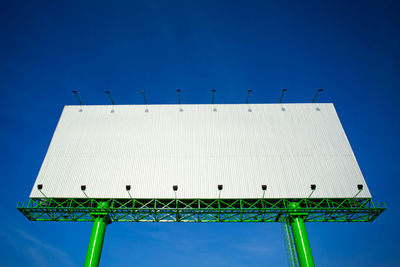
48 48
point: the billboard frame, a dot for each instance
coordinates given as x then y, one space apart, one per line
291 212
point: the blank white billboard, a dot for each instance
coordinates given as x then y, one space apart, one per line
287 147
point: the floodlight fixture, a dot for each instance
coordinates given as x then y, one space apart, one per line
315 97
248 95
83 188
264 188
360 188
313 187
77 96
40 187
175 188
128 188
283 92
144 96
179 96
213 96
220 186
109 95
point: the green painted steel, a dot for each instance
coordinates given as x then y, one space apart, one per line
97 236
300 237
96 242
290 245
202 210
297 211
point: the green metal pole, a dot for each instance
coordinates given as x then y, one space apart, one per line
97 236
300 237
96 242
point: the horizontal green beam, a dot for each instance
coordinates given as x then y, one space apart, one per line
202 210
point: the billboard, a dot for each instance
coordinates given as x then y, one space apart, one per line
200 151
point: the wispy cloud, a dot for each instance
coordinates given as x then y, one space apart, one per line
39 251
254 248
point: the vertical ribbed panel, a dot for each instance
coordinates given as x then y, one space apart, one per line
287 147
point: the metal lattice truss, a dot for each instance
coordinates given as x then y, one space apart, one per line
201 210
290 245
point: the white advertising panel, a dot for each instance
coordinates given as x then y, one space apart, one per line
287 147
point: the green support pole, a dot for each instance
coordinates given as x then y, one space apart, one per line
97 237
300 237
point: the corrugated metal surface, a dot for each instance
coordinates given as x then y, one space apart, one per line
287 147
